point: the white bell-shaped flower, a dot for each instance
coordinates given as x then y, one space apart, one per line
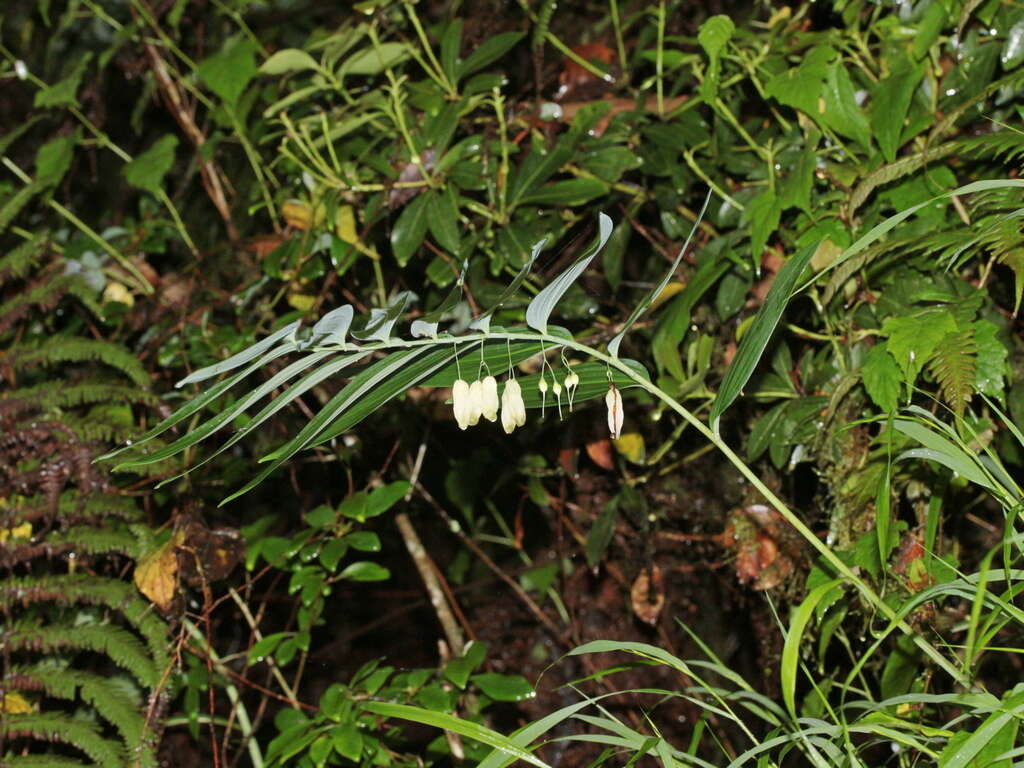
476 402
460 400
615 415
489 405
513 410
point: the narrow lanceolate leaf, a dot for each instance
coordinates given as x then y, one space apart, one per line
366 392
241 358
756 338
383 320
944 451
457 725
332 327
791 650
613 345
200 401
197 434
539 310
427 325
297 389
483 323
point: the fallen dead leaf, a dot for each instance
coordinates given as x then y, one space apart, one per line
600 452
156 575
648 595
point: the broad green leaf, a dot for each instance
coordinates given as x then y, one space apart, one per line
803 86
347 741
539 310
410 229
288 60
332 327
484 321
570 192
882 377
228 72
365 571
600 535
675 320
54 158
913 338
374 59
451 43
538 167
443 219
504 687
757 337
795 190
454 724
841 110
63 93
382 321
613 345
763 213
613 253
382 499
714 34
490 50
942 450
990 368
241 358
147 171
889 104
767 430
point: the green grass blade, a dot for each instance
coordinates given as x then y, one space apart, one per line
760 332
791 649
457 725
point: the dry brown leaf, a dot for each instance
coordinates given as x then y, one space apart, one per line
600 452
648 595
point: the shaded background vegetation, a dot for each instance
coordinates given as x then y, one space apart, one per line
183 178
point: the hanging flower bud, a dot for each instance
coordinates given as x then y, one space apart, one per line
460 399
557 389
614 402
542 385
513 410
476 402
490 399
571 382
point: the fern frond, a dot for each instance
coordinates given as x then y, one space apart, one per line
110 700
45 396
66 349
54 727
71 507
83 540
953 366
123 648
83 588
1002 144
18 262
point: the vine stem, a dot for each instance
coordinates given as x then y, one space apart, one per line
780 506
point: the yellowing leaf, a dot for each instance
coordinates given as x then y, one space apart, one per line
23 531
345 224
826 253
631 446
300 215
156 575
15 704
115 291
301 301
667 293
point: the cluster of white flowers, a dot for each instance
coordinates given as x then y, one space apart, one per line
481 399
